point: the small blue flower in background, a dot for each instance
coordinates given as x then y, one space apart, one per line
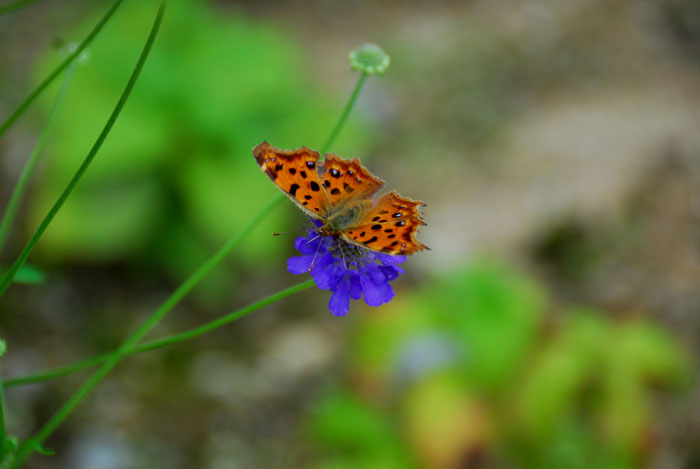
348 271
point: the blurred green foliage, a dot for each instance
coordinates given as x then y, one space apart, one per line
473 369
176 178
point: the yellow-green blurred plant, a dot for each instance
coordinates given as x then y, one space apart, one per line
475 369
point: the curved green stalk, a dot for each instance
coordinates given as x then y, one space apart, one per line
3 431
34 157
52 76
163 342
27 447
346 112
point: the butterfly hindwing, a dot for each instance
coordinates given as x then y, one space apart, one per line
296 173
389 226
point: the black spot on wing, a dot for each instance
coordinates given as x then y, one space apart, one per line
335 191
293 190
292 171
314 186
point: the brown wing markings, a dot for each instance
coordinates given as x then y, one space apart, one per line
346 179
295 172
389 227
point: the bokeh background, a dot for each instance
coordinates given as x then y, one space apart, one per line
554 324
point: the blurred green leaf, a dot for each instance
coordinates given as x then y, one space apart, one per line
495 313
359 435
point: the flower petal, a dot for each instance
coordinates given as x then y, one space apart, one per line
300 264
326 273
390 271
339 303
355 286
375 285
305 246
372 273
389 258
376 293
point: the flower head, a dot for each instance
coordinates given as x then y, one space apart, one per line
370 59
348 271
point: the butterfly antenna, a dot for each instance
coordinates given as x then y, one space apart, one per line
316 254
287 232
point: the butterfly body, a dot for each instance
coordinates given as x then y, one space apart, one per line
345 217
338 192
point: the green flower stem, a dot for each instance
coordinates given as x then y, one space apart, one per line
165 341
10 274
52 76
27 448
3 432
34 157
344 116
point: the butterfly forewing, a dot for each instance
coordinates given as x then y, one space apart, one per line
296 173
347 180
390 226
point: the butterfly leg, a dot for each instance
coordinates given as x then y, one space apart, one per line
313 239
316 253
342 253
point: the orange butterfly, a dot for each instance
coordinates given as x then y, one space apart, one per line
338 192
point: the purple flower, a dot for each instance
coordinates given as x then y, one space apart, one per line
348 271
